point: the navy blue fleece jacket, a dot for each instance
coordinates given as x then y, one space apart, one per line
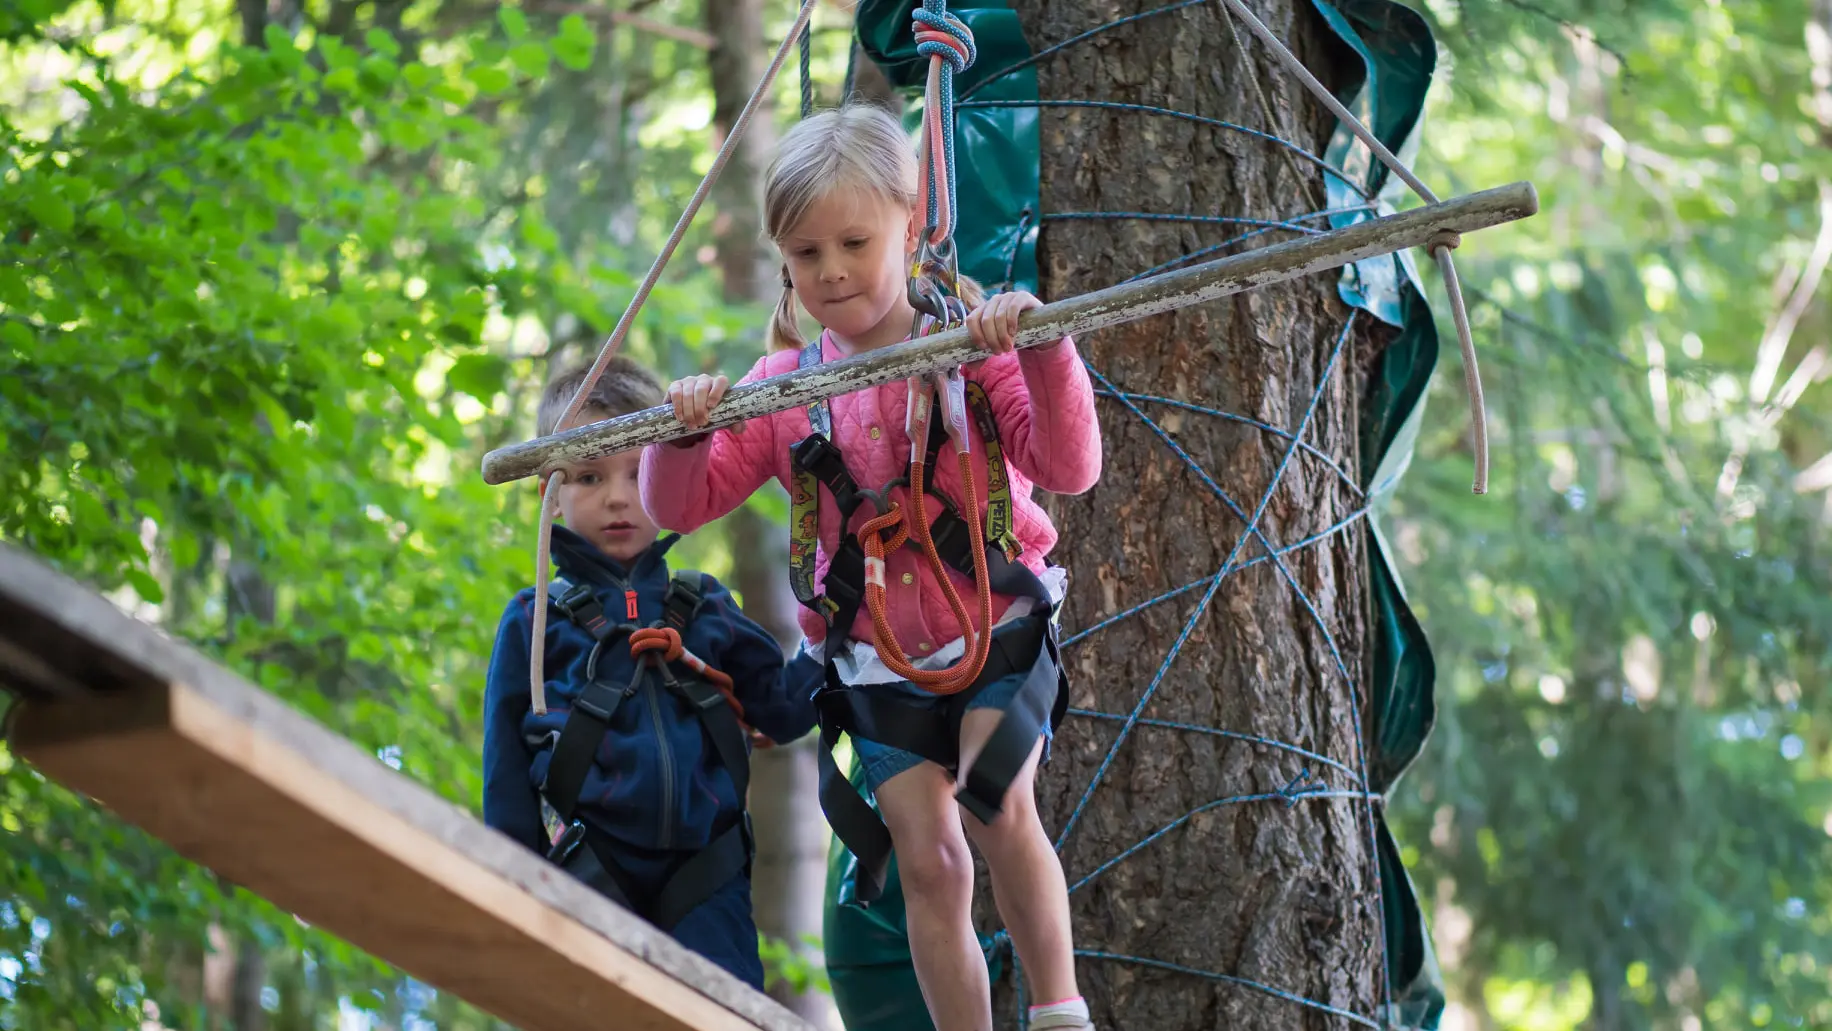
657 781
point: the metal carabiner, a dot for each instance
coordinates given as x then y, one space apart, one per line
934 288
946 257
927 298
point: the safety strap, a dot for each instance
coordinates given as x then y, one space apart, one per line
932 731
817 461
587 854
590 720
679 606
590 717
804 506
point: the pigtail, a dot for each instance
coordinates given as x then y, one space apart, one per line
785 329
969 290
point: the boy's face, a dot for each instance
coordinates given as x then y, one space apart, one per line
600 502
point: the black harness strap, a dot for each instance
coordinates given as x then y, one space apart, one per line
1044 696
929 728
590 718
730 852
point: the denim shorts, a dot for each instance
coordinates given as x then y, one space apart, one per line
881 762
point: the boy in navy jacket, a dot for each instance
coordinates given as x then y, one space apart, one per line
641 760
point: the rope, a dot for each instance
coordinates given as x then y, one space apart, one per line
806 43
615 341
1439 248
962 674
850 82
948 44
537 645
1147 109
666 641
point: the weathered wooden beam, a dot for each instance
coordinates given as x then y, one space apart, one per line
238 781
1127 302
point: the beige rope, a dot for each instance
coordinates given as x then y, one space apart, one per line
543 550
537 647
1440 246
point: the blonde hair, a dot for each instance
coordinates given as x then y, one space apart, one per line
854 147
625 387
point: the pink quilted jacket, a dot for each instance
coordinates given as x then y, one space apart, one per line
1043 403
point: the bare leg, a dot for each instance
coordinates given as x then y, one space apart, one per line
1027 881
937 873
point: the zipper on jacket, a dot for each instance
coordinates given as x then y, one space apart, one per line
666 754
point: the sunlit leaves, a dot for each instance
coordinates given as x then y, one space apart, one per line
1627 786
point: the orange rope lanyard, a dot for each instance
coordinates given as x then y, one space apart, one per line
667 640
914 523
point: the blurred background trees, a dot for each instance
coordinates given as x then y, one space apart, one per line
275 273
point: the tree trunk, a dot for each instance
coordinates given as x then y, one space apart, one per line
869 84
789 874
1281 895
735 64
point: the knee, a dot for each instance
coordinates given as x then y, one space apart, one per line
938 872
1015 824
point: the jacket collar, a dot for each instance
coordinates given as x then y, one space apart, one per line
580 561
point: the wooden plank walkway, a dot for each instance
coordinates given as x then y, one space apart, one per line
240 782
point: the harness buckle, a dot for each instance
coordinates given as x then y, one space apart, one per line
580 605
585 705
567 843
818 456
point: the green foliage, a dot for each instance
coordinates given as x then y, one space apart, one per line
262 308
800 968
258 321
1627 790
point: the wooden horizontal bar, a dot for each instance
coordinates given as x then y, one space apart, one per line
238 781
1126 302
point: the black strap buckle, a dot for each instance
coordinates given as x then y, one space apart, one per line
702 695
679 603
568 841
581 606
592 702
818 455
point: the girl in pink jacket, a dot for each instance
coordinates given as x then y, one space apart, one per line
943 715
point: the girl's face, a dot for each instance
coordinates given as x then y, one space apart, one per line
849 261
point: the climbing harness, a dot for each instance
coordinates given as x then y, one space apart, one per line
585 851
855 577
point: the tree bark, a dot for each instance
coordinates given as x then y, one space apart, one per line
869 84
735 64
789 873
1281 895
